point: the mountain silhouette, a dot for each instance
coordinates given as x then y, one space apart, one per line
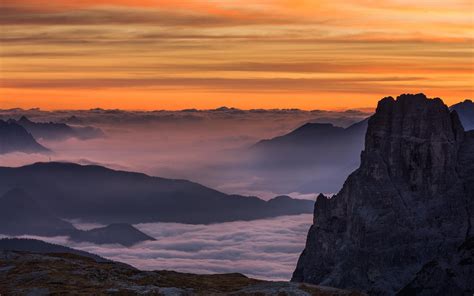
119 233
95 193
14 138
465 112
57 131
402 222
21 214
335 151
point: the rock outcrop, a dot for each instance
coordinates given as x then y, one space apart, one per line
409 203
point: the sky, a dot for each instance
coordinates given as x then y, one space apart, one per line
175 54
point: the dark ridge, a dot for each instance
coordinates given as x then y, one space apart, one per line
98 194
14 138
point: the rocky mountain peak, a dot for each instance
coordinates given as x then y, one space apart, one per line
410 203
24 119
416 140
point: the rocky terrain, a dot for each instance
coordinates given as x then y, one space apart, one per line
26 273
402 222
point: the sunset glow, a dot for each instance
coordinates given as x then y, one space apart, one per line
174 54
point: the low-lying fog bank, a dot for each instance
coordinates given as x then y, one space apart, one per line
264 249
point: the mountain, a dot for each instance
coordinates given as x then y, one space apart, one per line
465 111
14 138
41 247
57 131
95 193
27 273
120 233
401 220
20 214
313 144
331 150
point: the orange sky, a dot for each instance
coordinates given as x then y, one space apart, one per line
175 54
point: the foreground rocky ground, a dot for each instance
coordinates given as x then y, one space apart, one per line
26 273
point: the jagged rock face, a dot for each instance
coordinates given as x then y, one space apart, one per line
410 202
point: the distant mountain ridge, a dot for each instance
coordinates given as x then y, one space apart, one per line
333 150
14 138
95 193
38 246
119 233
465 112
57 131
21 214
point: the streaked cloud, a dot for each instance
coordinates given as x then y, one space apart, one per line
321 50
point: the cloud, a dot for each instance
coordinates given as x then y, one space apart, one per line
266 85
265 249
120 15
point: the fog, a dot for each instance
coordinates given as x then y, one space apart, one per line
264 249
208 147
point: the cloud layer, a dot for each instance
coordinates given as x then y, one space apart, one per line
264 249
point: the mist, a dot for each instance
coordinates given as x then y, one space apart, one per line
209 147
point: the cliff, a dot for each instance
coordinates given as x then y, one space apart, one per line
409 203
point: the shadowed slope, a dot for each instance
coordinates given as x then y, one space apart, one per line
96 193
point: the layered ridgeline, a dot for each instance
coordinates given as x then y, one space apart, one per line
58 131
289 161
98 194
21 214
14 138
465 111
402 222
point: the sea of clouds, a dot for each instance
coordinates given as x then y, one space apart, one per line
264 249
